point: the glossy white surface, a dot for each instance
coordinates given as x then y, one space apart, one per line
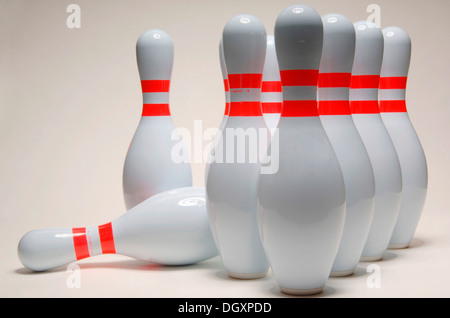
169 228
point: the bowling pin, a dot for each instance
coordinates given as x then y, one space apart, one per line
152 164
231 185
170 228
382 154
271 95
394 72
302 205
334 111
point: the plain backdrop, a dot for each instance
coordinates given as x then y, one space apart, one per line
70 101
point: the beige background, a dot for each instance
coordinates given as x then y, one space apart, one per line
71 101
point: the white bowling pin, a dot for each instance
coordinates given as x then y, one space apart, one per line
382 154
394 72
302 206
170 228
271 94
231 185
153 163
334 111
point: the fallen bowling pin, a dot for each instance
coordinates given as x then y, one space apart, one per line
170 228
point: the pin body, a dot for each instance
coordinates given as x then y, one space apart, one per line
334 110
231 184
302 205
151 162
271 90
170 228
382 154
394 72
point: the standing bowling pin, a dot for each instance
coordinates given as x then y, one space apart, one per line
271 95
382 154
394 72
231 186
152 162
302 205
334 111
170 228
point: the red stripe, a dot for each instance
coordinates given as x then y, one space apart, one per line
244 80
155 86
299 108
334 107
364 107
245 109
227 86
80 242
334 79
393 82
364 81
271 108
156 110
393 106
107 238
227 109
271 86
299 77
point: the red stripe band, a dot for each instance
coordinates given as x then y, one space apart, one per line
334 107
80 242
155 86
244 80
271 86
393 106
334 79
107 239
156 110
227 86
364 107
227 109
271 108
245 109
299 77
299 108
393 82
364 81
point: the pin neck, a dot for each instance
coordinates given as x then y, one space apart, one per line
364 94
93 241
392 92
299 93
333 93
245 94
271 97
155 97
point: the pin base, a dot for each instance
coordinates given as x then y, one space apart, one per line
247 275
398 246
342 273
302 292
371 258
